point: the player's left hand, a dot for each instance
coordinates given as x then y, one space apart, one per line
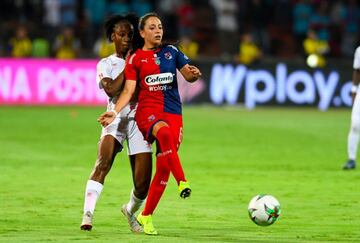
195 71
106 118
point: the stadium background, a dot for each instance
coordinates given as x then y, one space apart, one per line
260 130
249 35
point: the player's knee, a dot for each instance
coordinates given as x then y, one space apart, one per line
164 135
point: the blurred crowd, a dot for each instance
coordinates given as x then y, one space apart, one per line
240 30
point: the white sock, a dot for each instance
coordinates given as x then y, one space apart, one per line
134 203
92 193
353 140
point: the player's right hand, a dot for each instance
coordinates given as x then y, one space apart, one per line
106 118
195 71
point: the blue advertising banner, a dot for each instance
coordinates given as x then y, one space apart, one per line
275 84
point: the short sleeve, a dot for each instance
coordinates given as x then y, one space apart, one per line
103 70
130 69
356 64
181 59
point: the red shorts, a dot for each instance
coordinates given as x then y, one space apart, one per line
147 118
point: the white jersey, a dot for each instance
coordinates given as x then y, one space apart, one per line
109 67
356 64
124 126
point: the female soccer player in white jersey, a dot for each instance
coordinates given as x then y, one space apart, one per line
110 77
353 138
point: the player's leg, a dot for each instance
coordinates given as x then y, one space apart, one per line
156 190
170 137
165 138
158 184
353 137
168 143
161 176
141 165
149 128
140 155
176 126
108 147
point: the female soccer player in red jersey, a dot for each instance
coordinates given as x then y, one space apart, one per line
153 69
110 77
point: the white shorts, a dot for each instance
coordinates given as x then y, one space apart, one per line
124 127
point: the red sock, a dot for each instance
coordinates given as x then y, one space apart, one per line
157 186
169 151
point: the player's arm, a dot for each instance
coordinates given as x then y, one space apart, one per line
355 83
356 74
190 73
112 87
106 70
125 96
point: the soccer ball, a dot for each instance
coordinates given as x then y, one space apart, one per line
264 209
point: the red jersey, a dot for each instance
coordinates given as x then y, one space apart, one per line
155 73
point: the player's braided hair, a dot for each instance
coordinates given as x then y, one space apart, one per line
137 41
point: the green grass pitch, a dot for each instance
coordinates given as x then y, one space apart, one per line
229 155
